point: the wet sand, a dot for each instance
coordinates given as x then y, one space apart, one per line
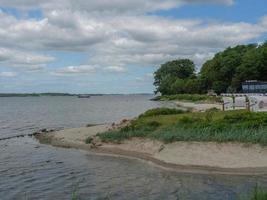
191 157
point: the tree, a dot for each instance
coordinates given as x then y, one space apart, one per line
192 86
225 72
228 69
169 76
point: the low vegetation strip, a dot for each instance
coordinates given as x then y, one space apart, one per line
258 194
188 97
211 126
161 111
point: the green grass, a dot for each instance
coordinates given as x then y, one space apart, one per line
162 111
217 126
258 194
188 97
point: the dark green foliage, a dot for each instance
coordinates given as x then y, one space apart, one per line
225 72
161 111
258 194
88 140
213 110
133 130
228 69
189 97
172 76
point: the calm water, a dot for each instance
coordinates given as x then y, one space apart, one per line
29 170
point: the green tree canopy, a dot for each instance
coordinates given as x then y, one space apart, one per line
228 69
171 77
225 72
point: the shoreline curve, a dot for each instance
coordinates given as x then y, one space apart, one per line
75 138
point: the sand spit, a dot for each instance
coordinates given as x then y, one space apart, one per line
191 157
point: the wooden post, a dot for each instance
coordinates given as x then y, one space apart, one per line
233 101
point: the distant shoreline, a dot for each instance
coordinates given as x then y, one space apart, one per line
60 94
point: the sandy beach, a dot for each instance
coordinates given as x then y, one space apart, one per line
197 107
192 157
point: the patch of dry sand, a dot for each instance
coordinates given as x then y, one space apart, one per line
201 156
198 107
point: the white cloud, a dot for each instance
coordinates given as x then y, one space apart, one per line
263 21
87 69
8 74
76 70
114 69
23 60
114 37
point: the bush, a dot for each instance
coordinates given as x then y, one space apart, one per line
162 111
188 97
258 194
188 120
133 130
213 110
88 140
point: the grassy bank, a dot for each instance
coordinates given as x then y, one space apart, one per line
258 194
217 126
188 97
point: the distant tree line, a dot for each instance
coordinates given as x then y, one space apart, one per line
34 94
225 72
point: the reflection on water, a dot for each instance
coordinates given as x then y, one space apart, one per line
29 170
45 172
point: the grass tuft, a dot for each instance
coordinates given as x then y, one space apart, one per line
89 140
258 194
162 111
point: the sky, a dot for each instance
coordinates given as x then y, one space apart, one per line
114 46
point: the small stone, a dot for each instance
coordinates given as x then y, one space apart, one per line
161 148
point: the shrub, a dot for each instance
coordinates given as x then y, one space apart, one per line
188 120
213 110
88 140
188 97
162 111
258 194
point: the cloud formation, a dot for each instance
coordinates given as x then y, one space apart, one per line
23 60
122 40
114 38
7 74
120 6
80 70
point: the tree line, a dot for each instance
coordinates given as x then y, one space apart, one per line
225 72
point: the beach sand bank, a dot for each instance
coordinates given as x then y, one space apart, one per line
197 107
191 157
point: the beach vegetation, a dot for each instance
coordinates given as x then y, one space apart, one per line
257 194
210 126
161 111
89 140
189 97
